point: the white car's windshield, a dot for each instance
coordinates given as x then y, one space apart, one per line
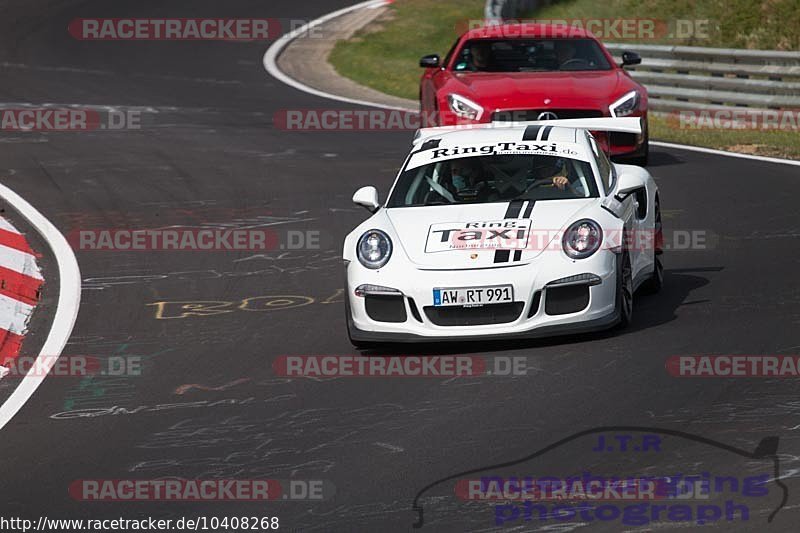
494 178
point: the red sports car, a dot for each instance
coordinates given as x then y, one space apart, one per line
517 72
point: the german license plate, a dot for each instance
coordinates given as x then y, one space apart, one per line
473 296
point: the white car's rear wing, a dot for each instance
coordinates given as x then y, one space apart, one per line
622 125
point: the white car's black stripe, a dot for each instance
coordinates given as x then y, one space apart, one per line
513 211
430 143
529 209
525 214
531 133
546 133
516 209
518 253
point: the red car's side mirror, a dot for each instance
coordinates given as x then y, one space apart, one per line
631 58
430 61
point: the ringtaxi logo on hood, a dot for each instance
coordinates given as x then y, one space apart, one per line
495 235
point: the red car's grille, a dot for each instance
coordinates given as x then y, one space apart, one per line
533 114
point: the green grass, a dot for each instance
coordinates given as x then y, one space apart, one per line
388 59
774 143
386 56
767 25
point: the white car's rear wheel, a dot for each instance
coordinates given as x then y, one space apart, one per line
656 280
624 299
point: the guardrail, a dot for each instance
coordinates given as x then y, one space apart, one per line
682 77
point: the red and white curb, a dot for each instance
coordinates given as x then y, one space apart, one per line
67 305
20 281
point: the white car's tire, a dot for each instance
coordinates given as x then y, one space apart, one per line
624 297
656 281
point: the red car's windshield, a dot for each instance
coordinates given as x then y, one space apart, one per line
530 55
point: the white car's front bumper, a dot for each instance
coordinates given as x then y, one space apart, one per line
534 296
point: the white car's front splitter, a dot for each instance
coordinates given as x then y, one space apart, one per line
538 309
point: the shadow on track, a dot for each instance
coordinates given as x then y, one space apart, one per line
664 159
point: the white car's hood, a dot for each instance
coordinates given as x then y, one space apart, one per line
436 236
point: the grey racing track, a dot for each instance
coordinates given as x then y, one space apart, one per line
207 154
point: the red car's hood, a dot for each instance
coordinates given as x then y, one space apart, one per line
529 90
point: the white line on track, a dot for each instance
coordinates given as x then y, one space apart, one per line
727 154
272 53
271 66
69 298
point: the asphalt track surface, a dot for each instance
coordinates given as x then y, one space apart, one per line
210 155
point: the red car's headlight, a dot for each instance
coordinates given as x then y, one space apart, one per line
625 105
464 107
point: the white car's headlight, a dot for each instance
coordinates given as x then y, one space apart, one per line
374 249
582 239
625 105
464 107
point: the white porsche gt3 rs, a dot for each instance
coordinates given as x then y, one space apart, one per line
497 231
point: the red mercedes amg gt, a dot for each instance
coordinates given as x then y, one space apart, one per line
517 72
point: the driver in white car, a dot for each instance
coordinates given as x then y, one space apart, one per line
555 171
468 182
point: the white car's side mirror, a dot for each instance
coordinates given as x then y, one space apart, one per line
627 182
367 197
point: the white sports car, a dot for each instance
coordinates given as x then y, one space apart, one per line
512 230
